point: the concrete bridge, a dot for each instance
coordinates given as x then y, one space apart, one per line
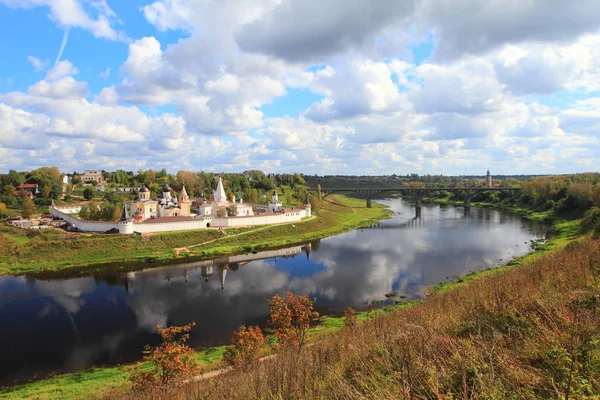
417 194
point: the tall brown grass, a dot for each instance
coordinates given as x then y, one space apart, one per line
528 332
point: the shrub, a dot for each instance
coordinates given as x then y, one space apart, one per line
291 318
350 319
245 347
170 360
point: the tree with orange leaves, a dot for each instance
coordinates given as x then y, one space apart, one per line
170 360
245 347
291 318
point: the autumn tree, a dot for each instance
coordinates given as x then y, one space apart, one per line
171 360
221 212
246 344
3 213
291 318
350 319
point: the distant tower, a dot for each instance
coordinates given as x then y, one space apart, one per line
219 194
184 203
488 179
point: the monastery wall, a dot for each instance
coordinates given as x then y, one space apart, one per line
128 228
86 226
69 209
198 223
295 215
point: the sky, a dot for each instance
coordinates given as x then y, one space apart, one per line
360 87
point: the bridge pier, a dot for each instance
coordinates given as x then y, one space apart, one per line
369 205
418 207
467 202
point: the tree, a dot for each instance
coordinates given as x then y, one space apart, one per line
245 347
232 211
76 179
9 190
15 178
56 191
221 212
88 193
27 206
3 213
170 360
68 191
45 191
291 318
350 319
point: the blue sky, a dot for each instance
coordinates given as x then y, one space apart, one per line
357 88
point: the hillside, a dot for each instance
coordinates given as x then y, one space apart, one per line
530 331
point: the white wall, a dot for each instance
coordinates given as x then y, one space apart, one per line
295 215
198 223
69 209
87 226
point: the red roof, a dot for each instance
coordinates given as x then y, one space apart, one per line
159 220
28 186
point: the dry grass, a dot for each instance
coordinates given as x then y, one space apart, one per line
529 332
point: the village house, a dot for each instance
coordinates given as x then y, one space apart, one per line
92 176
29 187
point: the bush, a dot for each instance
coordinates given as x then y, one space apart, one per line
245 347
350 319
170 360
88 193
291 318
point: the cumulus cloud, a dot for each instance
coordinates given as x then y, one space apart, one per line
475 27
298 30
199 102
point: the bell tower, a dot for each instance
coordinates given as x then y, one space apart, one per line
184 203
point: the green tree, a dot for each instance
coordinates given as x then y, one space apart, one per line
88 193
56 191
27 206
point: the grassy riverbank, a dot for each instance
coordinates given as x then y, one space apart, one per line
51 251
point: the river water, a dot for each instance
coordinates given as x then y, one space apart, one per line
50 326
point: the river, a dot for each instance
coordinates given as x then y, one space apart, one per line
62 325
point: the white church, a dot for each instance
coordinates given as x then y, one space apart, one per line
171 213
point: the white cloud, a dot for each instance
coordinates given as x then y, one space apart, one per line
38 65
477 102
72 13
63 68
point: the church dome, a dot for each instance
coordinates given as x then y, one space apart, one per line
166 188
144 189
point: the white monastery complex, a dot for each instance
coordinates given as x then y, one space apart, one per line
172 213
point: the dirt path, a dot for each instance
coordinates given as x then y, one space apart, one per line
187 248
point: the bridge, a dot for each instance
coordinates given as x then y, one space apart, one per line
417 194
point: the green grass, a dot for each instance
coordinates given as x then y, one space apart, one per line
89 383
